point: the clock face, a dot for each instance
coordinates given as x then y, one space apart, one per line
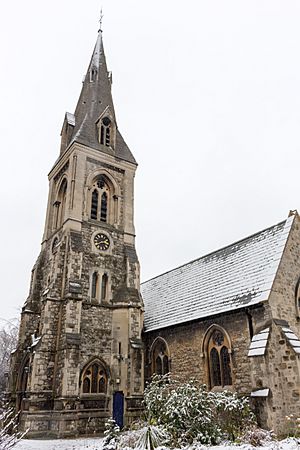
101 242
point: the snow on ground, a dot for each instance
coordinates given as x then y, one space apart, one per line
60 444
96 444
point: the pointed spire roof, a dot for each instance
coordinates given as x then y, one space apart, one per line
96 99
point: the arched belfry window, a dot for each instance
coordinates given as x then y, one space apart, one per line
94 379
105 131
160 358
60 204
103 200
219 359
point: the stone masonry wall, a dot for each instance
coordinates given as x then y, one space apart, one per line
185 344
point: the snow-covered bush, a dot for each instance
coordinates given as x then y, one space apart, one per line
257 437
232 413
111 435
189 412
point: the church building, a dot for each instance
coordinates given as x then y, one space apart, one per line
90 334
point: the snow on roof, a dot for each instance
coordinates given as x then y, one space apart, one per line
70 119
259 343
233 277
260 393
292 339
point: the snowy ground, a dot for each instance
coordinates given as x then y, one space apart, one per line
96 444
60 444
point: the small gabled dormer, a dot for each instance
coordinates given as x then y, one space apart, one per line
106 129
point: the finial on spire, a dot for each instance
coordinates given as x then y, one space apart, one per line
100 20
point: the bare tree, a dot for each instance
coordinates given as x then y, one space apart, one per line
9 434
8 342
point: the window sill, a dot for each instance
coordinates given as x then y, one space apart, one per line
93 396
223 388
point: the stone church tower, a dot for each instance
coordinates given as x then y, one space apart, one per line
79 358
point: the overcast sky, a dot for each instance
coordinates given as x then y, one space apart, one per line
207 96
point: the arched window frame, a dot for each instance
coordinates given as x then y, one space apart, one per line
104 287
160 357
106 129
95 286
94 378
60 204
112 189
217 352
99 286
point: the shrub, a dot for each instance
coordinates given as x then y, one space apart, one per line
111 435
232 413
188 412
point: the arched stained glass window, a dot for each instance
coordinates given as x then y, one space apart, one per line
215 368
94 379
160 358
225 363
219 359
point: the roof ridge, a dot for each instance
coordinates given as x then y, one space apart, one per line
216 251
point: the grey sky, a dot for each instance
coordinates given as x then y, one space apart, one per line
207 96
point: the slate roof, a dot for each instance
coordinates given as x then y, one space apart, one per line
231 278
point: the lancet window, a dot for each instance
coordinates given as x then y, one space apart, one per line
104 283
160 358
219 359
94 379
95 283
99 286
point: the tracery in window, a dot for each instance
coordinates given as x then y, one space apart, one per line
105 131
94 379
219 359
101 200
160 358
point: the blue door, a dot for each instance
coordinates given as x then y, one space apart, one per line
118 408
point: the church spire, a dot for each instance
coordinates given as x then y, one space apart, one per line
95 97
95 103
